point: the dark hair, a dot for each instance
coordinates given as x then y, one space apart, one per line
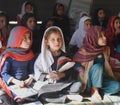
29 3
3 14
25 17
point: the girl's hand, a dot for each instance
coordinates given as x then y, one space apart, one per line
106 53
53 74
59 75
28 81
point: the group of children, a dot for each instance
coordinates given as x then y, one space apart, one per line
19 65
23 63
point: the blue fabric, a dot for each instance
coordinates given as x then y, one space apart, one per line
17 69
95 76
99 78
110 86
118 48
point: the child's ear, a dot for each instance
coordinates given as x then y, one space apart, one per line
46 42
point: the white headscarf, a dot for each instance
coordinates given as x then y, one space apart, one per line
45 59
23 9
79 34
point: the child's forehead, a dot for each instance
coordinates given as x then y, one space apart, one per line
55 34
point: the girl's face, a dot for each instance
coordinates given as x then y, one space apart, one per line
60 10
87 24
26 42
31 23
28 8
102 39
101 14
54 42
117 24
2 22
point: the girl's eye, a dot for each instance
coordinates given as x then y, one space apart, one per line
59 39
52 39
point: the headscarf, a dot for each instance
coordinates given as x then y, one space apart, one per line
82 13
79 34
23 9
13 46
46 56
14 51
110 31
90 48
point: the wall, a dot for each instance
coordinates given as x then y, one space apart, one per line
13 7
111 6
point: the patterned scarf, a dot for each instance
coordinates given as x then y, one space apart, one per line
14 51
90 49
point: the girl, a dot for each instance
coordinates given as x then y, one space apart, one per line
27 7
17 60
100 18
113 34
29 20
78 36
57 86
62 21
94 56
4 31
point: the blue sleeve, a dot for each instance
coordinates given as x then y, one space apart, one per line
31 67
5 73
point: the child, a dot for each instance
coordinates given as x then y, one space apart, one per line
4 30
27 7
62 21
94 56
100 18
29 20
78 36
113 34
57 88
17 61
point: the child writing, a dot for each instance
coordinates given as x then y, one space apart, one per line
57 88
94 56
17 60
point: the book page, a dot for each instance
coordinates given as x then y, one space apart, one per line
67 66
22 92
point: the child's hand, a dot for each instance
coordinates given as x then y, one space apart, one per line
53 74
60 75
28 81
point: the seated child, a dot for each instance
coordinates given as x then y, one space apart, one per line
56 86
17 61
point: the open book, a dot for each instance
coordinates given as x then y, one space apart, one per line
22 92
66 66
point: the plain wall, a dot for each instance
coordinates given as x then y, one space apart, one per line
44 8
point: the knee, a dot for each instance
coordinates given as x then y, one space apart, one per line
75 87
